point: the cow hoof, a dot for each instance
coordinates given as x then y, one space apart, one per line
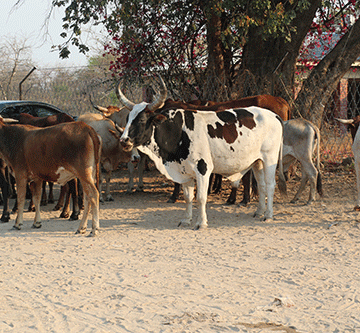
80 231
109 198
36 225
139 190
43 203
57 207
171 200
17 227
200 227
64 215
258 215
5 218
94 233
74 217
230 202
184 224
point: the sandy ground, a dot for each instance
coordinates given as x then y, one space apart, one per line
297 273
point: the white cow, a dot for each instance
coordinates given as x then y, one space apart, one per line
112 153
301 139
187 146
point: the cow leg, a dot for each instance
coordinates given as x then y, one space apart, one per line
266 171
259 173
201 197
108 196
141 169
188 189
211 178
232 197
310 173
44 199
175 194
131 169
357 171
5 189
51 193
36 189
217 184
91 202
73 191
65 213
61 200
21 195
246 181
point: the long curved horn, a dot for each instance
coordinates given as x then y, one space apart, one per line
345 121
160 100
121 97
97 107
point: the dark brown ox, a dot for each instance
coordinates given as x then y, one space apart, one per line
25 118
58 154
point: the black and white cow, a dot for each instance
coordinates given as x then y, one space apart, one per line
189 145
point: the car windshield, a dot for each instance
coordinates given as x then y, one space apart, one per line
41 111
34 110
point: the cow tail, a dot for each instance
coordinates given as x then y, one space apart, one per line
318 180
97 148
282 180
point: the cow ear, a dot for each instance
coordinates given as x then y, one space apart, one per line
158 118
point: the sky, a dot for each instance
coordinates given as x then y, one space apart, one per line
27 21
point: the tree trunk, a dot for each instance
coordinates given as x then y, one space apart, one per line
216 76
266 59
323 79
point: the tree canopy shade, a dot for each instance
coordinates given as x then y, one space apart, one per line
214 41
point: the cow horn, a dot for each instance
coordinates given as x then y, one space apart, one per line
345 121
8 120
160 100
120 129
97 107
121 97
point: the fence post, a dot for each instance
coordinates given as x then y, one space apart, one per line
21 82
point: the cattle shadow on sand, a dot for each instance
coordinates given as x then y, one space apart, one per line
149 210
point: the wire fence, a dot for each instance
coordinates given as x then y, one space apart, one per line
72 89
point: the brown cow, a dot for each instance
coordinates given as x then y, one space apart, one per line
57 153
68 191
25 118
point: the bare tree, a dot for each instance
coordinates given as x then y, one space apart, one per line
16 58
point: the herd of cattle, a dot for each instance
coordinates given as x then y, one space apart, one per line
186 141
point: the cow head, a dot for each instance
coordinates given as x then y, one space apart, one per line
141 118
353 124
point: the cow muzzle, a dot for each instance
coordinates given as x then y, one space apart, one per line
126 144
